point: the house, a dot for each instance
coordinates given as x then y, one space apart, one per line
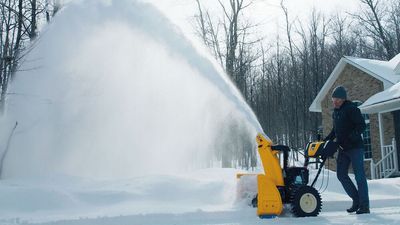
374 86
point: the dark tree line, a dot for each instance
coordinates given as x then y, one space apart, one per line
280 80
19 21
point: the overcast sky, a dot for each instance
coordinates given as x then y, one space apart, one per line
265 12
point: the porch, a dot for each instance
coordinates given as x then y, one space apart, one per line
388 166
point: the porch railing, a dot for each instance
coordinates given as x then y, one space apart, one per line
388 165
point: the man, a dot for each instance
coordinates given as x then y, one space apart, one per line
348 125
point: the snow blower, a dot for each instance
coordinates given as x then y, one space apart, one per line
281 185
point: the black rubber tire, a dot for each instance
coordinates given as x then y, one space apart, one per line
305 201
254 201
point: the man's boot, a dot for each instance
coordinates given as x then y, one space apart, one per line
353 208
363 210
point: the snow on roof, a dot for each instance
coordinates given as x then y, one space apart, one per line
395 62
382 69
386 71
388 100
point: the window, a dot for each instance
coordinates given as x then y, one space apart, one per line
366 134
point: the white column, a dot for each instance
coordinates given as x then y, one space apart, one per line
396 166
381 137
372 168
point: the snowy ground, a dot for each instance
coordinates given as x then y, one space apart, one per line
201 197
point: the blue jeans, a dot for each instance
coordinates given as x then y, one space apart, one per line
356 158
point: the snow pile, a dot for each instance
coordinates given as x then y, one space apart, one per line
200 197
61 197
112 89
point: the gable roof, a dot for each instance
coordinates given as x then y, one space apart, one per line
385 101
385 71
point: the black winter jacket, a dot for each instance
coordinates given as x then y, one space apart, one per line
348 125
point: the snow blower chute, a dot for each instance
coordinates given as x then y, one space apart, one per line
288 185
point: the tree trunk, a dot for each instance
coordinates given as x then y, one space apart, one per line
32 33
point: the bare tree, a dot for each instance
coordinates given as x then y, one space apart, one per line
51 8
18 25
372 18
33 21
209 32
293 76
6 44
228 38
394 23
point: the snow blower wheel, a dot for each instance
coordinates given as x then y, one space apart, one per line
254 201
305 201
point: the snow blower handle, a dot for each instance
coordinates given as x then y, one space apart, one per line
320 150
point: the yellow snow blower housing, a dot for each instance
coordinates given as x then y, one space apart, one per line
282 184
269 199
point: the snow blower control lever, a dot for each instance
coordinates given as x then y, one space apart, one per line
321 151
280 184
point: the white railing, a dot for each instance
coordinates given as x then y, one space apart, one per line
388 165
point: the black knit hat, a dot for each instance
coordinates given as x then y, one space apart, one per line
339 92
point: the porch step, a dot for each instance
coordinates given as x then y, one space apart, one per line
396 174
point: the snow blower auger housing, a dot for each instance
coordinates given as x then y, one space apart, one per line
288 185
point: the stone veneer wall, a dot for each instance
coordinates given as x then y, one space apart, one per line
388 128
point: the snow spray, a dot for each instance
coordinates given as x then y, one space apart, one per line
113 89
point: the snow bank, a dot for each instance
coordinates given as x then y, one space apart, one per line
204 197
62 197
